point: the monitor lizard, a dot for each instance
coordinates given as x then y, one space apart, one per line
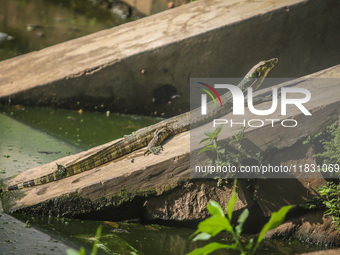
153 136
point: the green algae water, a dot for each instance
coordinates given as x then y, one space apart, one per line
33 25
27 25
34 136
83 130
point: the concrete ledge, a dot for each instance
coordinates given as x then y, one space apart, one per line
156 56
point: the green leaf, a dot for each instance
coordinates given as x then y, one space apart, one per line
275 220
204 149
95 245
75 252
215 225
220 150
232 201
72 252
218 130
204 139
202 237
243 217
210 146
82 251
207 148
207 133
193 234
215 209
250 244
209 248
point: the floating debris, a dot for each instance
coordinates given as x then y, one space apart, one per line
49 152
5 37
32 27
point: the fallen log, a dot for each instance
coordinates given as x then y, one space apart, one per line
159 187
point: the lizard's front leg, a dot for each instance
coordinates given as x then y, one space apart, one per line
159 136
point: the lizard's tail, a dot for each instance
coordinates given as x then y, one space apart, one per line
57 175
21 185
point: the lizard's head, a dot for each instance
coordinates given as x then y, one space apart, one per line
61 172
257 74
263 68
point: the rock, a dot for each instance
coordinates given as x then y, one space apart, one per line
312 227
188 202
297 191
122 10
324 252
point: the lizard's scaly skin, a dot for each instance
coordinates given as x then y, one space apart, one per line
154 135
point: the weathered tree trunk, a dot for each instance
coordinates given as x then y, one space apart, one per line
159 187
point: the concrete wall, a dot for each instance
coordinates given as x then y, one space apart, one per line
138 67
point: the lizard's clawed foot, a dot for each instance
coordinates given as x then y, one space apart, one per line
154 150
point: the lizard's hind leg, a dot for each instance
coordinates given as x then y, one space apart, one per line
155 146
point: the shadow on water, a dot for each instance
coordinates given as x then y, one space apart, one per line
134 238
119 237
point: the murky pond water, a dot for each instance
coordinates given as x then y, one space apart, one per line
33 25
34 136
29 25
133 238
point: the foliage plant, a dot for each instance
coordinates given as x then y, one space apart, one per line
82 249
329 139
331 154
211 145
221 158
218 223
330 198
330 193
